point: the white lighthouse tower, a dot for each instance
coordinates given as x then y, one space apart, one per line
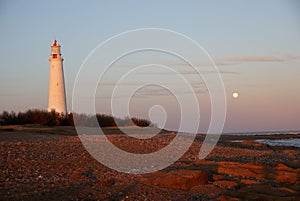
57 94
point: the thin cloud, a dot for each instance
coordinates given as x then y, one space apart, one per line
114 83
231 60
246 59
253 59
240 59
156 91
193 72
187 72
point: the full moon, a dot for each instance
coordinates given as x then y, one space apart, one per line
235 95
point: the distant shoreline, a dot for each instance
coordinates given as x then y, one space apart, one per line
32 131
263 132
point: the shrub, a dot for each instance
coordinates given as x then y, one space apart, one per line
43 117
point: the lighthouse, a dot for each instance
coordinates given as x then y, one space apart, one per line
57 94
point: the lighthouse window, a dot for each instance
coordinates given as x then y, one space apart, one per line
56 84
54 55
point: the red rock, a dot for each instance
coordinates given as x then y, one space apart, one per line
249 181
225 184
287 189
287 177
290 153
281 172
286 174
253 143
204 162
177 179
217 177
253 170
227 198
281 166
104 183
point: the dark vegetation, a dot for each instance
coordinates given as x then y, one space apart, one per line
45 118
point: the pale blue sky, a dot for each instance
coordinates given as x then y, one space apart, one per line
257 40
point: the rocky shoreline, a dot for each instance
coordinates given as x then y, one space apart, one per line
45 163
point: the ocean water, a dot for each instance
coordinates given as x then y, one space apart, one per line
295 142
264 133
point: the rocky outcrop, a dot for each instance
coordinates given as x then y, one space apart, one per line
226 184
253 170
253 143
286 174
178 179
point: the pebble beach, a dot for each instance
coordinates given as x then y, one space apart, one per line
50 163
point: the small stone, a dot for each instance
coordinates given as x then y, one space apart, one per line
227 198
249 181
217 177
225 184
287 189
105 183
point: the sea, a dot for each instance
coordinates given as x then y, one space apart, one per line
294 142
